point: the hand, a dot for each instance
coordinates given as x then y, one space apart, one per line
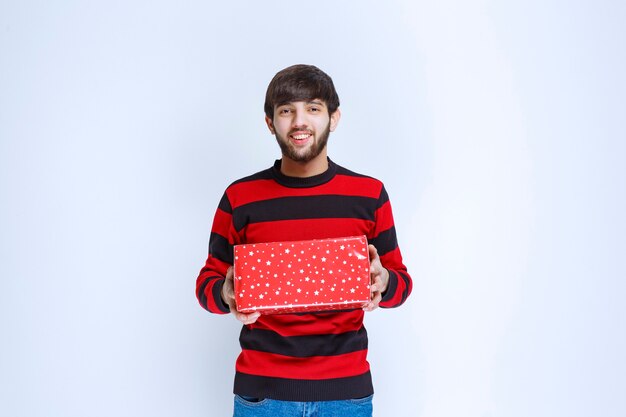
228 295
379 279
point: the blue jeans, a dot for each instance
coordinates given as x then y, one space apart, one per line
361 407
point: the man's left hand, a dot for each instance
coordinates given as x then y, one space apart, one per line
379 278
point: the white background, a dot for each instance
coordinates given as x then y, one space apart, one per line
497 127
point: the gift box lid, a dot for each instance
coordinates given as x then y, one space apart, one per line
306 275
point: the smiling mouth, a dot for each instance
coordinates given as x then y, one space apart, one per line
301 136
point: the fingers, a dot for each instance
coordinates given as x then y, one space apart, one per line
376 294
228 289
373 304
246 318
228 294
376 267
243 317
372 249
379 276
376 285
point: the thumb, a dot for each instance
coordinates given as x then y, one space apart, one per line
372 251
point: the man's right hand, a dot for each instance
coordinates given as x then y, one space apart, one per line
228 295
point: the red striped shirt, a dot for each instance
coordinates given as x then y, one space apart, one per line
315 356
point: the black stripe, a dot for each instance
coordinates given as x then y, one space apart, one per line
307 207
220 249
215 291
391 286
386 241
217 296
303 346
201 295
286 389
224 204
407 283
383 198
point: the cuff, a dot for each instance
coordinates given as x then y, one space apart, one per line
217 294
391 287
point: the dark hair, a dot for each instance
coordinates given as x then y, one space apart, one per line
300 83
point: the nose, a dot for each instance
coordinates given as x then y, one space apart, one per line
299 118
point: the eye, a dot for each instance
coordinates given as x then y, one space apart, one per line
314 109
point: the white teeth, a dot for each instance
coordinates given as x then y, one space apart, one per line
299 137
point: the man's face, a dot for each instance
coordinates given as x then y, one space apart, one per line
302 129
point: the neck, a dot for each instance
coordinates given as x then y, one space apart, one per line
316 166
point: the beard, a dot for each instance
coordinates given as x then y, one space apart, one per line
318 145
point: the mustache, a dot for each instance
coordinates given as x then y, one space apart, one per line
292 131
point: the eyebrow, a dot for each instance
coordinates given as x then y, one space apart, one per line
289 103
308 102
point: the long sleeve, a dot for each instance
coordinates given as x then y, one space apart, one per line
211 278
385 240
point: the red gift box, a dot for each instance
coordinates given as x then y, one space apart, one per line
301 276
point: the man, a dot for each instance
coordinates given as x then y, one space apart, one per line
312 363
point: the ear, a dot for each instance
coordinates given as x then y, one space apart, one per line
334 119
270 125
